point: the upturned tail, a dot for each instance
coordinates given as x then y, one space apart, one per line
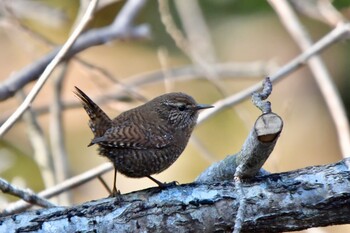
99 121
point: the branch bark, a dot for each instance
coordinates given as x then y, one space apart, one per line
309 197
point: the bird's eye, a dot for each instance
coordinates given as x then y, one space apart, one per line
181 107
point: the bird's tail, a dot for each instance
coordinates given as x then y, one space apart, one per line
99 121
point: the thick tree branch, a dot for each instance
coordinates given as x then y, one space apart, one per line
309 197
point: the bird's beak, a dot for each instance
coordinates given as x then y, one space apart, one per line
203 106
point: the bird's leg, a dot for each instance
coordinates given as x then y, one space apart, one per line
161 184
115 191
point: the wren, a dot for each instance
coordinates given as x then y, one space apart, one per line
144 140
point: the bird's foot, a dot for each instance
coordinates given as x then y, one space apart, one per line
168 185
115 193
163 185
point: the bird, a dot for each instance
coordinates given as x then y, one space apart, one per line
147 139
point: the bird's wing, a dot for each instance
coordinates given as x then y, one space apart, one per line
134 137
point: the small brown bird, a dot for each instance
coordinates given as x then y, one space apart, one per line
147 139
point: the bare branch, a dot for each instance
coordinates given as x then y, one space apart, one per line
60 188
185 45
336 34
121 28
320 73
42 153
197 32
321 10
281 202
58 146
230 70
26 195
34 10
256 149
48 70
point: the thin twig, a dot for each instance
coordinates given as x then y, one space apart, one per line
323 78
183 44
198 38
92 67
42 153
26 195
60 188
104 72
336 34
230 71
162 56
104 184
14 22
321 10
92 37
50 67
59 152
83 5
198 45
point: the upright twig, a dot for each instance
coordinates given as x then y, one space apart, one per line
58 146
41 148
197 45
198 38
185 46
257 148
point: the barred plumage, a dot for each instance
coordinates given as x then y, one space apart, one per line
147 139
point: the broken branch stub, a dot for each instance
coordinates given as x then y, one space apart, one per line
259 145
256 149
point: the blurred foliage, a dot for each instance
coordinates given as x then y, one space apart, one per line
223 8
341 4
25 167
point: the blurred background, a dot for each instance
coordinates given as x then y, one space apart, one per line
247 36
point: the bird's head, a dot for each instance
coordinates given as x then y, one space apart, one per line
179 109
